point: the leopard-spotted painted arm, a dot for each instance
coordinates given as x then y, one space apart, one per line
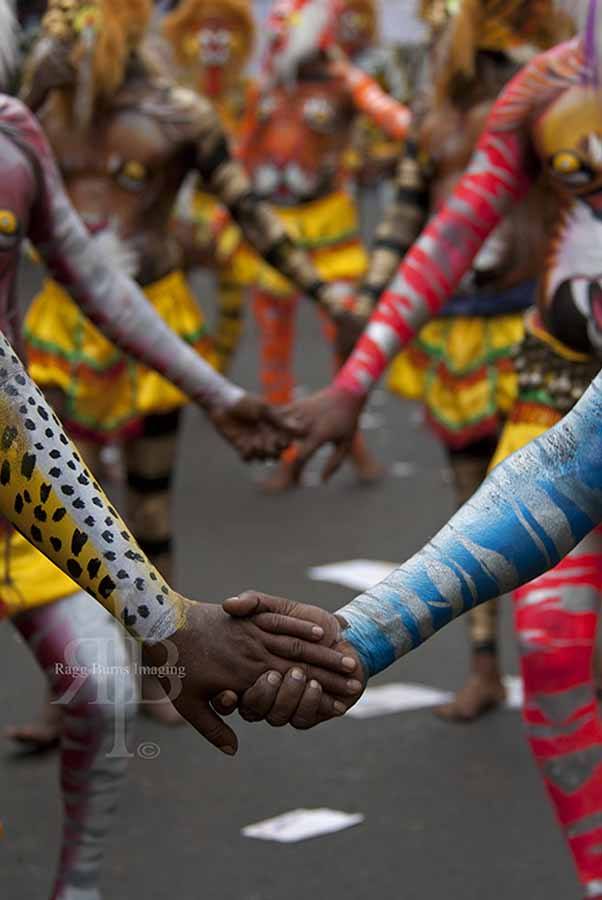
47 493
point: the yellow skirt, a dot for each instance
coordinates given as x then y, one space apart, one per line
27 578
461 368
526 422
107 393
328 229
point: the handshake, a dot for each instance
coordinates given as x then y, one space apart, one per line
270 658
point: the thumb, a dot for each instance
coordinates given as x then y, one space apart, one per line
335 460
210 726
251 603
246 604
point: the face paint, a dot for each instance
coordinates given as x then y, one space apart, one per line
356 27
212 41
218 52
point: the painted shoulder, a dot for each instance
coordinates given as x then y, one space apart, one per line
15 117
536 85
182 114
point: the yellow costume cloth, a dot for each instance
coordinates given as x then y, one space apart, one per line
107 393
328 229
461 368
27 578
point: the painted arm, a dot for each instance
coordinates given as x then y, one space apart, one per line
391 116
434 267
112 301
54 501
400 227
531 511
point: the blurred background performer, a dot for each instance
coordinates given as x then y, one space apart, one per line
125 139
210 46
462 364
294 145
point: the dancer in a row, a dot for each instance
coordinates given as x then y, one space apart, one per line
548 121
210 45
52 499
461 364
125 139
294 143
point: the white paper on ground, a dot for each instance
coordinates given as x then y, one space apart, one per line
391 698
301 824
514 691
357 574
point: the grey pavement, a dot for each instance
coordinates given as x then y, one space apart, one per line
453 812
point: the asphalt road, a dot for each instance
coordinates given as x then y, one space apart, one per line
450 811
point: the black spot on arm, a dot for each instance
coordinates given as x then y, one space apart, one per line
59 514
74 568
36 534
106 587
28 464
40 513
78 541
94 567
5 473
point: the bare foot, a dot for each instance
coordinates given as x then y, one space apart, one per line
367 467
281 479
155 705
41 735
482 692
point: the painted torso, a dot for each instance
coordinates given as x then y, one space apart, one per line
124 172
295 150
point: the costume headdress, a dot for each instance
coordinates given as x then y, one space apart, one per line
297 30
519 28
103 34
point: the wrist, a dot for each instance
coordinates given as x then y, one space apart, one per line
348 386
373 647
223 396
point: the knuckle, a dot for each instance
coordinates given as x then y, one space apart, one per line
277 720
295 648
301 724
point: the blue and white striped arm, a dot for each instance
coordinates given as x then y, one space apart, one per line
531 511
